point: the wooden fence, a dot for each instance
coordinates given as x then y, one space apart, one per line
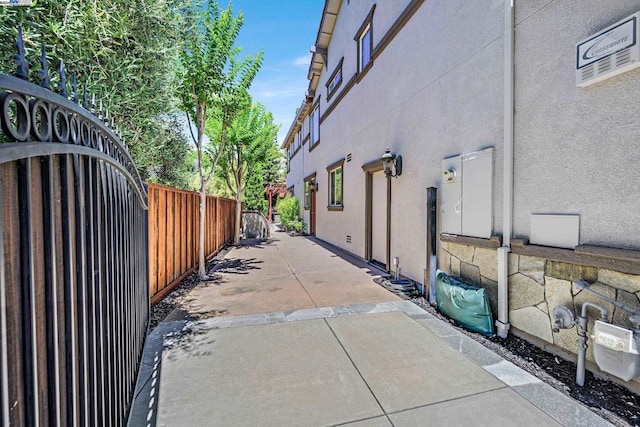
174 218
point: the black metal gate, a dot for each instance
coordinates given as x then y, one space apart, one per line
74 300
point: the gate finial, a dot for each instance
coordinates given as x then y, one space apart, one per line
85 99
22 71
44 69
74 88
62 84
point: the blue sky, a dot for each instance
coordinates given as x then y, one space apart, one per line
284 30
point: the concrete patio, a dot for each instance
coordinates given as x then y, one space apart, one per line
302 336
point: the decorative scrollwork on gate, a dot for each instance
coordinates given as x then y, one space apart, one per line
31 113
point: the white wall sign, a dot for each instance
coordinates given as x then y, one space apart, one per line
608 42
609 52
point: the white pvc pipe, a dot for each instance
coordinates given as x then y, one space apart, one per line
507 214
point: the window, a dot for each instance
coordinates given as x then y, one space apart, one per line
364 38
307 195
335 80
299 140
364 46
315 126
336 186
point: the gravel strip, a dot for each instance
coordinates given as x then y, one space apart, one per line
611 401
174 299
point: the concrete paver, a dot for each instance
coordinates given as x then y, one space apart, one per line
292 334
231 298
306 376
477 410
287 273
388 348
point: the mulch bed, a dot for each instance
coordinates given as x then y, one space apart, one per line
611 401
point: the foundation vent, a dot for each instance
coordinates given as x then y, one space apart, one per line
609 52
349 157
348 238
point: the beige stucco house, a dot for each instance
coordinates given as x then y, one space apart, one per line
502 106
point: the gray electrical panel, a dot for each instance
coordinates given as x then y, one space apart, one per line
467 194
451 207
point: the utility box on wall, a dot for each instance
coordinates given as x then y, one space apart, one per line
467 194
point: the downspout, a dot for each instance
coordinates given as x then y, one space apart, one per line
502 324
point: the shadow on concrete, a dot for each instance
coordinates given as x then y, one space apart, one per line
371 269
255 243
145 405
236 266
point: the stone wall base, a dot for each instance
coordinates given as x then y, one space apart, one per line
537 285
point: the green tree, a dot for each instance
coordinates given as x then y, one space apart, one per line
213 84
250 147
124 53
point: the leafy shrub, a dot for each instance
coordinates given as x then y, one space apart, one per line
289 211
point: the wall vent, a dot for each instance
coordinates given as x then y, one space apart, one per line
609 52
348 239
349 157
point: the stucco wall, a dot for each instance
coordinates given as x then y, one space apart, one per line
425 99
577 150
437 91
300 167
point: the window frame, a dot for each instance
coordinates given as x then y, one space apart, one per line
368 30
337 71
332 204
298 140
365 28
314 117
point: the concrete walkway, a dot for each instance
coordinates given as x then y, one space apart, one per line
303 337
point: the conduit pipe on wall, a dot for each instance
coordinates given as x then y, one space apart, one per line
502 324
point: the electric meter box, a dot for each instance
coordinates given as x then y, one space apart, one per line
467 194
609 52
616 350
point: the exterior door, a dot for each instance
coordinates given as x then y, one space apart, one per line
379 218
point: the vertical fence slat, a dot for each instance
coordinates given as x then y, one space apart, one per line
4 357
51 285
13 308
170 254
162 237
4 342
173 226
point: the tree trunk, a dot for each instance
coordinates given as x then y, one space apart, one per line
202 270
238 178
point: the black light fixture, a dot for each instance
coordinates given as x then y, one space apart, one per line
390 162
